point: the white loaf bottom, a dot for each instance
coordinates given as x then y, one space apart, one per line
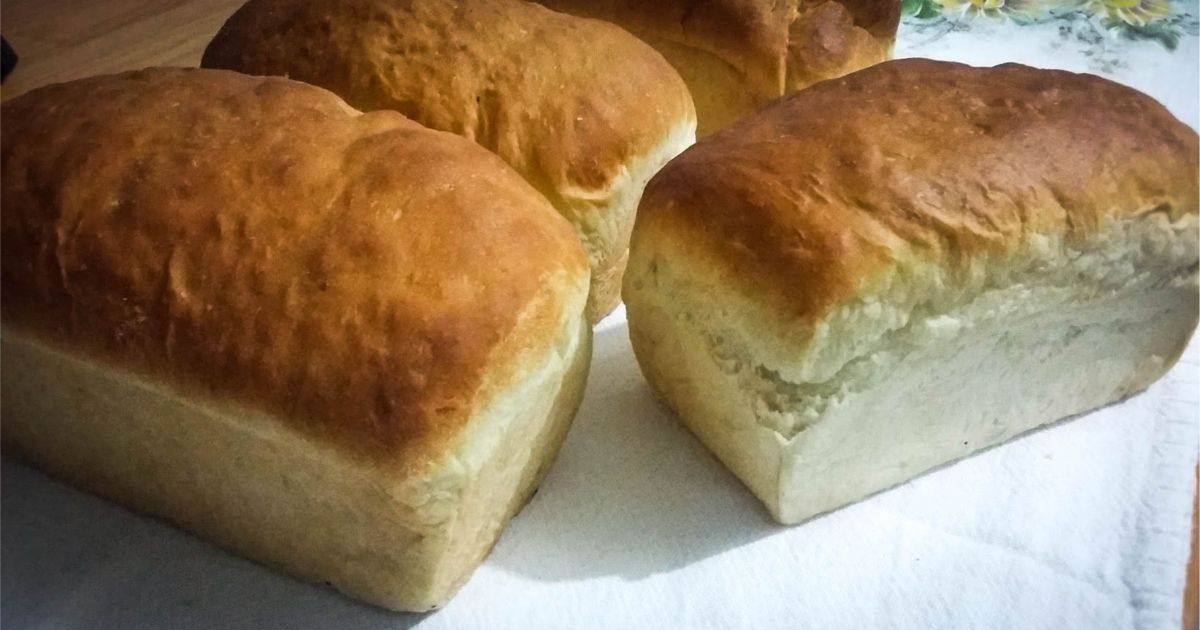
255 487
943 386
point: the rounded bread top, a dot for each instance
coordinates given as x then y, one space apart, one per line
800 205
366 280
777 45
567 101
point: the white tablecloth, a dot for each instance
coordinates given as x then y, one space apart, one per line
1081 525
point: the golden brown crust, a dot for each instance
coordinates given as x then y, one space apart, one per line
750 35
803 202
826 41
359 276
761 38
880 19
565 101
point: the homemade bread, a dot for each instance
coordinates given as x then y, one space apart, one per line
586 112
737 55
889 271
341 344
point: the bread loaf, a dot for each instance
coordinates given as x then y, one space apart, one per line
737 55
341 344
586 112
889 271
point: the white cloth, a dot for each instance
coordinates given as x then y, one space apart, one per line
1081 525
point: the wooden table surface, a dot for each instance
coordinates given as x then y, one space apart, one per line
60 40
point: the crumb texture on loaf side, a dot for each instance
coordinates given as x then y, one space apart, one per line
961 368
256 487
576 106
835 303
360 278
604 221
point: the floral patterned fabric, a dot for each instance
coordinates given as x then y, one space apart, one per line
1162 21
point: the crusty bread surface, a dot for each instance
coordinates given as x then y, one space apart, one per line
583 110
342 344
889 271
738 55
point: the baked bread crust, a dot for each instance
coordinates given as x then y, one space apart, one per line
809 199
771 47
361 277
889 271
580 108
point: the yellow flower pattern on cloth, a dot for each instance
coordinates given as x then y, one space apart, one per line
1023 8
1132 12
1162 21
